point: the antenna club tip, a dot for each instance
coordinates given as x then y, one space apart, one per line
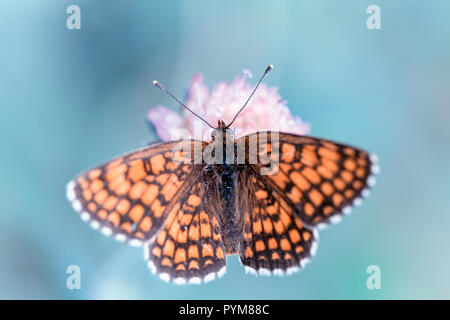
268 69
155 82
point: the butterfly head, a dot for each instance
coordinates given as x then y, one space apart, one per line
223 131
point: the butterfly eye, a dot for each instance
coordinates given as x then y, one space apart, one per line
229 132
215 133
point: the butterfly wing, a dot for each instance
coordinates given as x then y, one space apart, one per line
130 196
274 240
189 248
320 179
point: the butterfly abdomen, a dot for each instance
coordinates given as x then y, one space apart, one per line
227 191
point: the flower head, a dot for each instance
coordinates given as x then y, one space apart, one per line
265 111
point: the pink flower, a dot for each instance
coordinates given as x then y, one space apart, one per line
265 111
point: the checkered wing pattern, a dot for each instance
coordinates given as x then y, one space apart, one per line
189 248
274 240
321 180
130 197
167 197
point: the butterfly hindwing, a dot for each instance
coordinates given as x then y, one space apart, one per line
189 248
129 197
274 240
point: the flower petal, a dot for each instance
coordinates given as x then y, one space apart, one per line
166 122
265 111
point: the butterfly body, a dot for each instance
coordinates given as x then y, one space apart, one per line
222 194
223 190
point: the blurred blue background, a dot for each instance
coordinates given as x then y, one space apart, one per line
72 99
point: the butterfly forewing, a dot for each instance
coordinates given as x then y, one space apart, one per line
320 179
130 196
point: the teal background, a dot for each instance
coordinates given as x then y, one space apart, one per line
71 99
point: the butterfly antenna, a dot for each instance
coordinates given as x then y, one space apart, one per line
268 69
160 86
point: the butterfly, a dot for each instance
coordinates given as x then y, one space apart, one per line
191 203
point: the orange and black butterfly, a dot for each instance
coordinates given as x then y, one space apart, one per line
189 212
